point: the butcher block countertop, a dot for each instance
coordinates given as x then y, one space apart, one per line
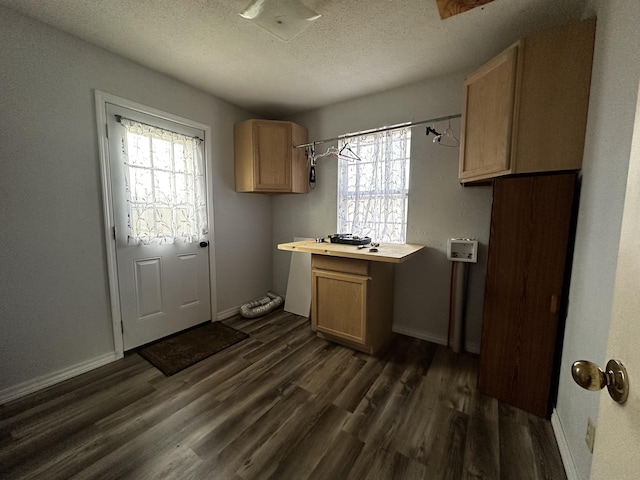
387 252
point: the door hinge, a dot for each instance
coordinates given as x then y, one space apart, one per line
114 232
106 129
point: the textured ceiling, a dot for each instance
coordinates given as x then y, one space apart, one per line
355 48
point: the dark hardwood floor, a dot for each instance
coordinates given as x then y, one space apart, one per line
282 404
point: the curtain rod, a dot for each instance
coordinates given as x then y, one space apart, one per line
380 129
120 117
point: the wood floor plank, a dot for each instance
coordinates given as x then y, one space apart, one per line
416 433
328 379
379 393
272 344
179 463
517 458
446 452
228 389
354 392
280 404
339 458
186 426
382 463
233 455
482 453
50 399
305 455
50 434
275 327
245 413
194 423
263 461
545 448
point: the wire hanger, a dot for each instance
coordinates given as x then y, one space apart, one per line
345 152
348 154
447 139
332 150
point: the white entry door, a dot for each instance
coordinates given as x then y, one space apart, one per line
617 440
157 190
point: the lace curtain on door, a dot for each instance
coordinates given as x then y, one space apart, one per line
165 185
373 192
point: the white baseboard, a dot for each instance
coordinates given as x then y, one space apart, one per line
31 386
422 335
563 446
228 313
439 339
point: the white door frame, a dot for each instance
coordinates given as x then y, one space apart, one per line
102 98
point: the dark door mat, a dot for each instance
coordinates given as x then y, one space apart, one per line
180 351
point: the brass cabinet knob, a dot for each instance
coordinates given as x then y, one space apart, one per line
591 377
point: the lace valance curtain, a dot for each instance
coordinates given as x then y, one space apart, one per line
373 192
165 185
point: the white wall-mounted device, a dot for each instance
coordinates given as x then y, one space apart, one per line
462 250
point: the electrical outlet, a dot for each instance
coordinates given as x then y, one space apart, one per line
591 434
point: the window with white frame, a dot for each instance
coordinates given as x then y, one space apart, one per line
165 185
373 192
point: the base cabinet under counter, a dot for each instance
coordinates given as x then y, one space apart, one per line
352 301
352 291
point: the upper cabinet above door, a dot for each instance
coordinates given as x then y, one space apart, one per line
526 110
266 160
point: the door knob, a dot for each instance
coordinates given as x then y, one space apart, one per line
204 244
591 377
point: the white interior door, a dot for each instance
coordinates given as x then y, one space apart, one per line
617 440
163 286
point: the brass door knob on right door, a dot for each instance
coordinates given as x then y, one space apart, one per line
591 377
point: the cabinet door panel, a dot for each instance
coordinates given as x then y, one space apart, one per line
273 146
343 309
525 111
488 117
530 231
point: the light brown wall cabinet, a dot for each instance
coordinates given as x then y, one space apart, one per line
352 301
531 234
266 160
526 110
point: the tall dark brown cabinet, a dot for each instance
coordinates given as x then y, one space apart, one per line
531 232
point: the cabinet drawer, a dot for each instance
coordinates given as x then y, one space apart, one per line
338 264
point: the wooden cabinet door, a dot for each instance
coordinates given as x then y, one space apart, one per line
273 144
339 304
266 160
488 105
530 230
525 111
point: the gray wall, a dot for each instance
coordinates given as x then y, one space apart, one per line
439 208
55 310
614 89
